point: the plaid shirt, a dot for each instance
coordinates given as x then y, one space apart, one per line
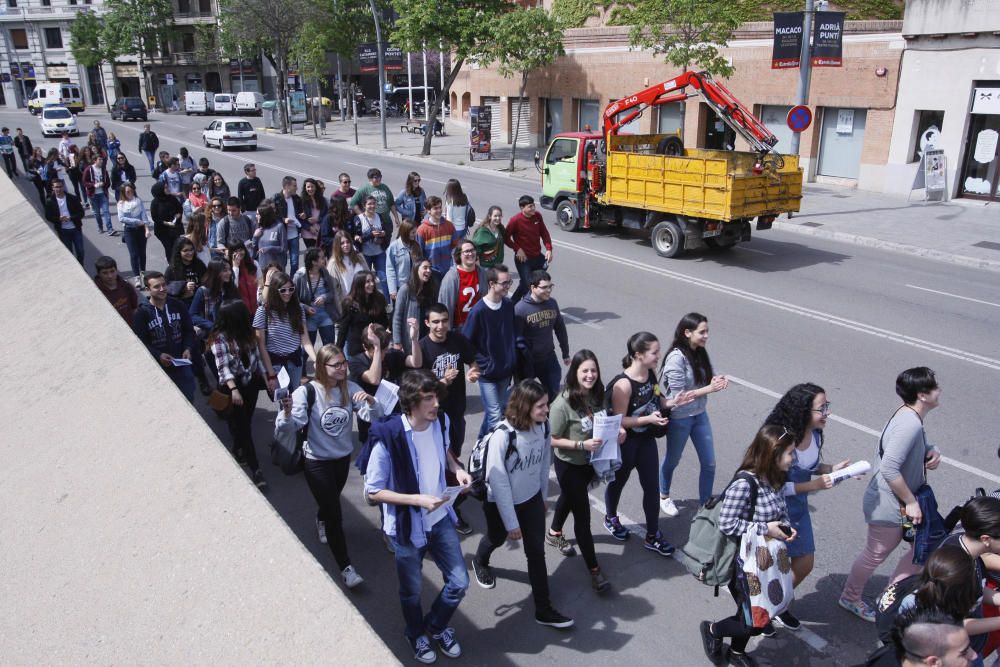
231 366
770 507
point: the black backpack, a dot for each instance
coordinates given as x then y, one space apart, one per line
477 457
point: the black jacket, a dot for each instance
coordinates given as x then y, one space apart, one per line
148 141
281 206
74 206
251 193
24 147
120 175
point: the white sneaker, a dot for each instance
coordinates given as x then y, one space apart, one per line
351 577
667 507
321 531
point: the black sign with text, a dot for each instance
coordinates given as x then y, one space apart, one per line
828 37
787 40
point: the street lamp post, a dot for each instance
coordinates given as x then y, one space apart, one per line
381 72
805 69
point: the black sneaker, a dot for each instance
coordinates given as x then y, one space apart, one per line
422 650
741 660
615 527
788 620
560 543
711 643
447 643
553 618
484 574
658 544
258 479
768 630
461 527
203 386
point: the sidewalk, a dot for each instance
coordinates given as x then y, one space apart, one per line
963 231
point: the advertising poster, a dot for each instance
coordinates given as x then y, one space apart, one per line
828 36
480 141
787 50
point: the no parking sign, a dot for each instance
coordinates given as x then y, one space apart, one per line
799 118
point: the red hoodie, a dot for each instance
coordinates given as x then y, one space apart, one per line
528 234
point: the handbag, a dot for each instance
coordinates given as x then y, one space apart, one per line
220 401
767 573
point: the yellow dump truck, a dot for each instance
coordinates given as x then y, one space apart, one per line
686 198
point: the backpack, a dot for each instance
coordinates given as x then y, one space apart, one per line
477 457
709 555
290 460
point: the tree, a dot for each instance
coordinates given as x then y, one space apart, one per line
273 26
464 27
523 40
686 32
137 27
87 46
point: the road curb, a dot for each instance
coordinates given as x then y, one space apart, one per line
892 246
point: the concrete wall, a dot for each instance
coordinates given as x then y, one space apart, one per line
128 535
940 17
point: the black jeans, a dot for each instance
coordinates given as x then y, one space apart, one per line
524 271
239 419
326 480
531 517
733 626
10 164
639 453
573 482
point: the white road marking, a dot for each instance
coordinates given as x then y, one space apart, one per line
870 431
573 318
306 154
759 252
854 325
955 296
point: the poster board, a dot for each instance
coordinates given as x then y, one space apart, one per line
480 135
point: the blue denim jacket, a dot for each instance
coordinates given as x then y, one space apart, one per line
378 476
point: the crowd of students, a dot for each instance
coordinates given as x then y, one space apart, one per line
410 291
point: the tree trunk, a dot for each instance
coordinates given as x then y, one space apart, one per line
104 88
281 67
517 123
436 109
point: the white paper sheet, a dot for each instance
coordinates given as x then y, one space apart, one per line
856 469
387 395
180 361
283 379
606 429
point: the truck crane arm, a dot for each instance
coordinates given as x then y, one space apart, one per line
729 109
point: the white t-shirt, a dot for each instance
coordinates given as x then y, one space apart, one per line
64 211
429 449
293 230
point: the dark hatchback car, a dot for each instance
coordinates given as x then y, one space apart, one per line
128 108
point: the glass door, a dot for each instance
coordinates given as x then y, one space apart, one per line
981 169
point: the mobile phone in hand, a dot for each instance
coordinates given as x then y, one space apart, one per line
785 528
280 394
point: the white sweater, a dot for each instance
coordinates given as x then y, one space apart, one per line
521 476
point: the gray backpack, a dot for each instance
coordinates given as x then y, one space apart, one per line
709 554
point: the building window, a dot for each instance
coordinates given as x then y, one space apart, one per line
924 124
183 6
46 3
72 2
187 42
53 38
12 3
20 39
205 6
588 114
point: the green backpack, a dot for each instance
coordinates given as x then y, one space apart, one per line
709 554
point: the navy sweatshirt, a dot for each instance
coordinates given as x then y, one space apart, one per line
534 323
168 330
492 333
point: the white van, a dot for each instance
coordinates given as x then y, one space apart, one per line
60 94
223 103
249 103
195 101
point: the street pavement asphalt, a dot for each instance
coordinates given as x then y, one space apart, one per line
786 307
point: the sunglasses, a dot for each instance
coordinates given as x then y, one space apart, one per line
286 290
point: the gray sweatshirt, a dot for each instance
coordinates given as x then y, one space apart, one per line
522 475
905 448
677 376
330 424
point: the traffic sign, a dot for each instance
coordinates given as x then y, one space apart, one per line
799 118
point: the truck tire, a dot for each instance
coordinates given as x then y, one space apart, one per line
670 146
667 239
566 216
721 246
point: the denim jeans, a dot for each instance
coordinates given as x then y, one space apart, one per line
73 240
183 377
328 332
293 255
699 429
99 202
294 374
444 548
135 240
524 271
151 156
377 264
494 395
549 372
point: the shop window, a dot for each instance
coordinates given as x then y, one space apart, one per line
12 4
183 6
924 125
20 39
53 38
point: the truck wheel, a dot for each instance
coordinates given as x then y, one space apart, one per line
566 216
667 239
716 244
670 146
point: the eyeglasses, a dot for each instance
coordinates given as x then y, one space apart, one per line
545 287
347 182
823 409
286 290
505 283
335 365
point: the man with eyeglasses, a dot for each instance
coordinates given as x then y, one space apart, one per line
490 329
250 192
536 319
464 284
344 189
385 203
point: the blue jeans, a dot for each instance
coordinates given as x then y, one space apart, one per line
99 202
377 264
294 374
443 545
151 156
524 271
135 241
73 240
494 395
183 377
328 332
293 255
549 371
699 429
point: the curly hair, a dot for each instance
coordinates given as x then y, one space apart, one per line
794 410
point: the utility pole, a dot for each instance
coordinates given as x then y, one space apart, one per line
805 69
381 72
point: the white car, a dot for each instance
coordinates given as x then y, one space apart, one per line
56 120
230 133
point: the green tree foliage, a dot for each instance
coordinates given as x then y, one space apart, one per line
574 13
464 27
856 10
88 48
137 27
523 40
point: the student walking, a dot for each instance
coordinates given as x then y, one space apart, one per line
515 501
536 320
66 213
457 208
362 306
412 201
166 213
135 228
436 237
528 236
320 293
282 336
490 238
372 236
414 301
464 284
687 368
164 327
402 252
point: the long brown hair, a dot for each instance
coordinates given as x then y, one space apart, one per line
372 304
291 310
948 581
761 457
338 252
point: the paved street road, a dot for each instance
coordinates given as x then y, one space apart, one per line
782 309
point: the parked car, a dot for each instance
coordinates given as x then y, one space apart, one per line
248 103
230 133
195 101
55 120
59 94
129 108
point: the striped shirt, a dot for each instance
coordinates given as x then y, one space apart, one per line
281 337
770 507
436 242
